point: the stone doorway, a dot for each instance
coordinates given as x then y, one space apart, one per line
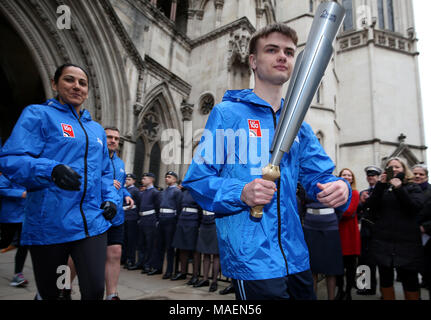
19 78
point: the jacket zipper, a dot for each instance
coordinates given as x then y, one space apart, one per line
279 204
85 175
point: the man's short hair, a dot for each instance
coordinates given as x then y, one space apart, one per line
112 129
267 30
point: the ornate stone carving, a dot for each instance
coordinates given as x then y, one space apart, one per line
151 126
187 111
238 45
207 104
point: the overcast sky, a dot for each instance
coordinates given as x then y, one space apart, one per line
423 26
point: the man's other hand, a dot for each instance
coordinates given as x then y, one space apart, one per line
333 194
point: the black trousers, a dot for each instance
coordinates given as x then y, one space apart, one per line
11 232
165 236
147 245
89 257
297 286
8 232
130 240
350 265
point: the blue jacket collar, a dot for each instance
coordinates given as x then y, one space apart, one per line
247 96
85 115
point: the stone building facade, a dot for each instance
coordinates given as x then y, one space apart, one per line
157 67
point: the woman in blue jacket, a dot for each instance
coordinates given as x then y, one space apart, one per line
61 157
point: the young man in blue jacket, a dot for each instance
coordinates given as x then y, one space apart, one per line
116 232
267 257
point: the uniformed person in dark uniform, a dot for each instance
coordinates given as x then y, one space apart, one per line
373 174
170 206
131 223
147 223
186 235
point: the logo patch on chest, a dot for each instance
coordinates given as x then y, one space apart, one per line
254 128
67 131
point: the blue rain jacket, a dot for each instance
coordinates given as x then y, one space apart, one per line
12 203
233 150
119 175
48 135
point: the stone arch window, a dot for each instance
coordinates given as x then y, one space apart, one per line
321 137
155 162
175 10
139 158
206 103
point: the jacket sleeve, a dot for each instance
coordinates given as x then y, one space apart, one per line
7 189
203 179
20 159
315 166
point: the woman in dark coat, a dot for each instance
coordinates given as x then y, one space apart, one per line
394 206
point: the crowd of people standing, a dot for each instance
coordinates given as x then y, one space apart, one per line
386 228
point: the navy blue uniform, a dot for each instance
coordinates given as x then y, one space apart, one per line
147 226
170 206
188 223
131 226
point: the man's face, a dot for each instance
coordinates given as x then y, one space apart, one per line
130 182
113 138
274 59
372 180
147 181
170 180
420 175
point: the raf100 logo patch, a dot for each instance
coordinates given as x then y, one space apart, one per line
67 131
254 128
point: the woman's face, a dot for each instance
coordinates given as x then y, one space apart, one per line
72 86
420 175
396 166
346 174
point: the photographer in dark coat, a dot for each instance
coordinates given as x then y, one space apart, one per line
396 243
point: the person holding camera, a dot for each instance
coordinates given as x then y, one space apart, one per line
60 155
394 206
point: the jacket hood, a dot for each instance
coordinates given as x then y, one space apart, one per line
85 115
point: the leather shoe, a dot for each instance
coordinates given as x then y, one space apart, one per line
213 286
228 289
134 267
202 283
154 271
167 276
179 276
145 270
193 281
